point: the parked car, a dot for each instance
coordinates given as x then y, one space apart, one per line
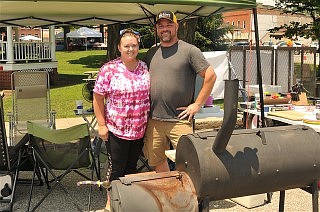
315 44
281 44
297 44
268 43
100 46
294 44
241 43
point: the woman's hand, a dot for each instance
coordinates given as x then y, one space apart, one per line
103 132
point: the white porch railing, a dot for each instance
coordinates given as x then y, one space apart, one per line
27 51
3 48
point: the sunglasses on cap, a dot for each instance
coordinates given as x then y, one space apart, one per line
128 31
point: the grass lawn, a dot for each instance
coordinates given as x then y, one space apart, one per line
68 89
65 91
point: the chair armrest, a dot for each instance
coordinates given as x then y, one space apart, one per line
52 121
11 128
10 115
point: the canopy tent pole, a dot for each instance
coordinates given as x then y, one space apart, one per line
259 75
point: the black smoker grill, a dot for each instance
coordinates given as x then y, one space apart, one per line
226 164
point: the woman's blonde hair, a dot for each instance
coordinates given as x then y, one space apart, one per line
131 33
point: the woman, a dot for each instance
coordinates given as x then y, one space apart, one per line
121 105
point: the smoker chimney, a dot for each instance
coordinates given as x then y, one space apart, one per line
230 115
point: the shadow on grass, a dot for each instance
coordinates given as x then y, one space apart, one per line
67 80
91 61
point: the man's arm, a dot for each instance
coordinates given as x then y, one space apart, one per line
210 77
209 80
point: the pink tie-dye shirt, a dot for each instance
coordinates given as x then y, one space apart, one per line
127 98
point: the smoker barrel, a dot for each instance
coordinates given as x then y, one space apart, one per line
255 161
169 191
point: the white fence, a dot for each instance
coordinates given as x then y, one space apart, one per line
26 51
3 48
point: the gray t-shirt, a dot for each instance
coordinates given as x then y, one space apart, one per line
173 74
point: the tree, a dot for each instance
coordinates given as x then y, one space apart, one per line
187 30
309 8
206 33
292 30
3 32
210 33
147 36
66 29
112 41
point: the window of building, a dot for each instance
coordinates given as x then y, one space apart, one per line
239 24
244 24
232 23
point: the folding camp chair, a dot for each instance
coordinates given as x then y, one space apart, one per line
61 149
30 102
12 160
6 186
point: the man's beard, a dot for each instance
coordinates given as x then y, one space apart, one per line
166 38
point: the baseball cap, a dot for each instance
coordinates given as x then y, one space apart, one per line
167 15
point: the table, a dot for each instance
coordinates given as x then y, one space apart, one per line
213 111
96 141
89 79
91 123
254 115
91 74
171 154
207 112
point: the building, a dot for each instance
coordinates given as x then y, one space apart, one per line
16 55
242 26
39 54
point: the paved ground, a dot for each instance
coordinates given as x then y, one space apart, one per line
296 199
58 200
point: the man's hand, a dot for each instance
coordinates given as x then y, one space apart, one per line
189 111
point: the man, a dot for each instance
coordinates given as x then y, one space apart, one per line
173 67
